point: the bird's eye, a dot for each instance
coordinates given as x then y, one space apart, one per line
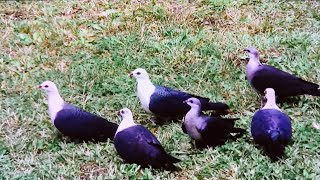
46 86
122 112
191 101
138 73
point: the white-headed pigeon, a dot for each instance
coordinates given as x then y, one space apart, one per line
271 128
75 122
166 103
136 144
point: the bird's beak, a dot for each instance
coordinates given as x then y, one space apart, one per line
184 101
39 87
246 50
118 113
130 75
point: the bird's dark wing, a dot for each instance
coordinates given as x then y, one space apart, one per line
78 123
215 128
283 83
183 127
149 138
167 102
138 145
267 120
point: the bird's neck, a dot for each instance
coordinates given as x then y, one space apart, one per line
252 66
192 123
126 123
145 83
192 113
271 104
55 103
145 89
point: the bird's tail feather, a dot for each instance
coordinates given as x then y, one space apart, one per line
169 162
314 92
220 108
230 119
171 159
239 133
238 130
275 149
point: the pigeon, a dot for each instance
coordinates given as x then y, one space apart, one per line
271 128
74 122
136 144
264 76
166 103
208 130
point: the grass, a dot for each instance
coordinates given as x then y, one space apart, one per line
89 47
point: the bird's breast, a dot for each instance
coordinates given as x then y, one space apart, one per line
250 70
191 127
55 105
144 95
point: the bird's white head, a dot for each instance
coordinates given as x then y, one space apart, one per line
127 119
252 53
270 95
139 73
145 88
55 102
49 87
193 102
125 113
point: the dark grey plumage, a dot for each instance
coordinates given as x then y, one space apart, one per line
136 144
166 103
75 122
81 125
208 130
264 76
271 128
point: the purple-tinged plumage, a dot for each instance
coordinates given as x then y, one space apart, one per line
166 103
75 122
136 144
271 128
285 84
208 130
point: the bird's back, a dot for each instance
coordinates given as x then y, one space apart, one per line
80 124
283 83
217 128
267 121
137 144
169 102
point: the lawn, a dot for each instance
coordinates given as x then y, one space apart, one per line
88 47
